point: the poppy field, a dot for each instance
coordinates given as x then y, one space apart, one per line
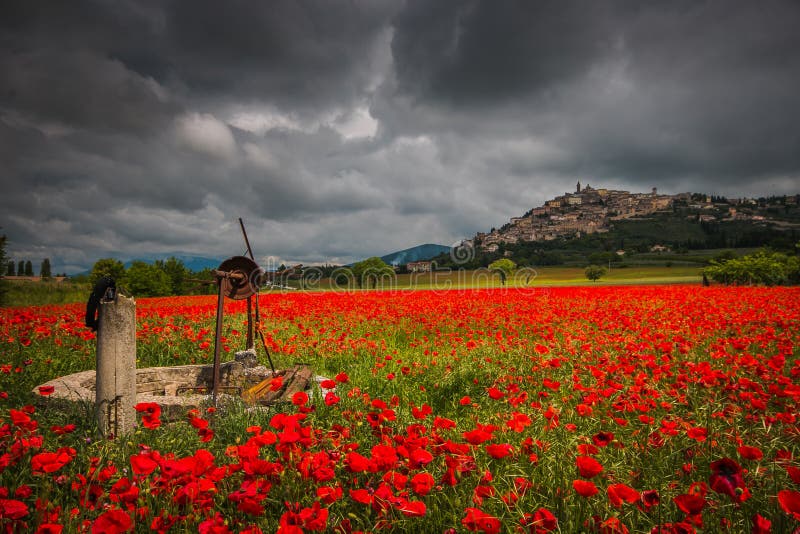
663 409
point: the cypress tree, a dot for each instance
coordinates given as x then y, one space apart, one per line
28 268
44 270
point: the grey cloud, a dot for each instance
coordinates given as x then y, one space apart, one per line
167 120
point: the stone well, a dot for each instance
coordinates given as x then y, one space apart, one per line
176 389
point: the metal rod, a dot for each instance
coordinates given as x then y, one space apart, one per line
250 343
217 342
246 241
264 342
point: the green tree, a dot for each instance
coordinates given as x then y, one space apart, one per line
21 268
504 267
762 268
44 270
28 268
595 272
144 280
11 268
107 267
369 271
177 273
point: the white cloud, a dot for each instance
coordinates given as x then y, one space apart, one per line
355 124
204 133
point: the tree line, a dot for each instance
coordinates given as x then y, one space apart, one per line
159 279
25 268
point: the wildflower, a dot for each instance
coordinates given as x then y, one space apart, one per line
790 502
726 478
478 521
112 522
588 467
584 488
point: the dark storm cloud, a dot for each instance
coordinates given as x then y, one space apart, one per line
340 129
670 91
296 53
475 52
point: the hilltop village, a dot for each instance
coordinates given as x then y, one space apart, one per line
586 211
589 211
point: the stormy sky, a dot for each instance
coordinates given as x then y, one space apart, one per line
339 129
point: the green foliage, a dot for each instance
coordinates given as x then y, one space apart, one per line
107 267
177 273
762 268
368 272
21 268
595 272
504 267
28 268
44 270
144 280
604 257
724 256
11 268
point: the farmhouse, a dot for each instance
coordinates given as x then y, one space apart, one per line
419 266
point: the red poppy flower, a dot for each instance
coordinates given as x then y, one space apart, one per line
112 522
726 478
50 528
46 390
356 463
422 483
650 498
619 493
588 467
602 439
584 488
413 508
12 509
50 462
328 494
790 502
300 398
151 412
500 450
690 504
477 436
750 453
540 522
697 433
331 398
143 464
518 422
761 525
477 520
794 473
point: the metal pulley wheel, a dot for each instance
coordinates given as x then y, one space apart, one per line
241 280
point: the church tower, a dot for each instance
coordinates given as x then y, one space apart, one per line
578 189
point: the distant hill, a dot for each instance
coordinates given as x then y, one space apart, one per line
418 253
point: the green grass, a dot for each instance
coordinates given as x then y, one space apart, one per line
539 277
26 293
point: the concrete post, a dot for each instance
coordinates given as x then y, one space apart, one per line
116 366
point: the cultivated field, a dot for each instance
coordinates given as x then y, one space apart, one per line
541 409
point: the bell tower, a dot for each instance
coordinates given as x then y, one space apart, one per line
578 188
